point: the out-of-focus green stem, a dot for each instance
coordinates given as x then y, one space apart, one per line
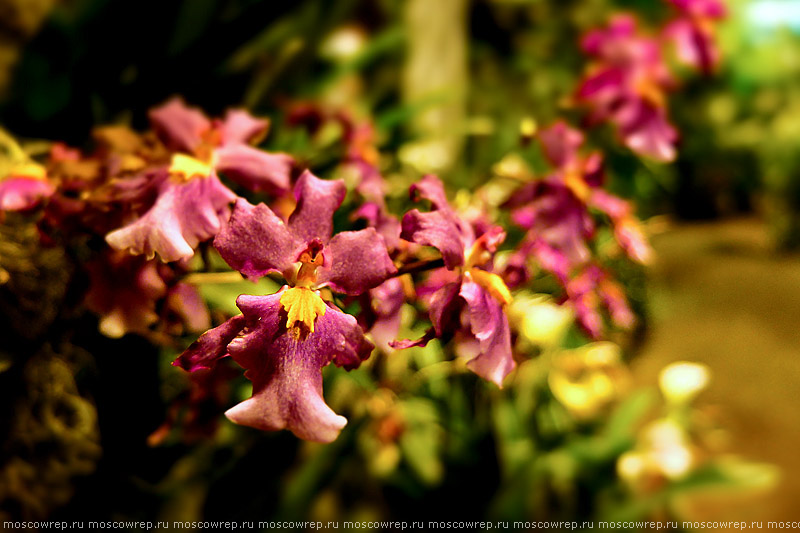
436 65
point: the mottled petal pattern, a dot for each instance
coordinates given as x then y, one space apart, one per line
256 241
437 229
359 262
316 202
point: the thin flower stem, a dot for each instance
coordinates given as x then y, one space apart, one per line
419 266
201 278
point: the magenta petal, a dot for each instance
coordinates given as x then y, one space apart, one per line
340 334
560 143
184 214
702 8
359 262
694 44
179 126
385 223
431 188
21 193
410 343
239 126
387 301
256 242
489 324
645 130
186 301
316 202
630 237
437 229
445 309
254 169
211 346
287 372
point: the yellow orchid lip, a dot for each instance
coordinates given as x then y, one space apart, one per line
302 306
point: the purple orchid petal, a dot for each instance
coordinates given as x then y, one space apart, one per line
630 237
552 259
372 185
179 126
384 223
359 261
588 291
185 300
287 372
239 126
211 346
184 215
615 207
489 324
714 9
613 297
694 44
123 290
445 309
603 88
256 241
387 301
560 143
410 343
593 170
437 229
431 188
621 26
254 169
316 202
22 193
557 217
645 129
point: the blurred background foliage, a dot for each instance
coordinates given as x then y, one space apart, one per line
448 85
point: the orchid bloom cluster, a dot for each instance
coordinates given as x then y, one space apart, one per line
556 214
160 195
145 195
144 205
627 82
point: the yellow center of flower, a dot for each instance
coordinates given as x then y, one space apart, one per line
184 167
479 254
493 284
650 91
309 261
303 306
